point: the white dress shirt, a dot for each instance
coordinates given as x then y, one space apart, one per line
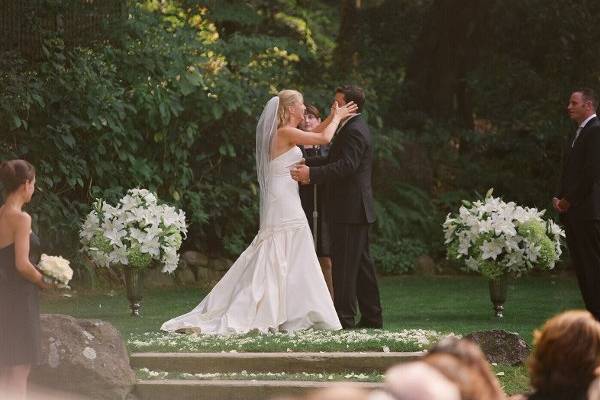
580 128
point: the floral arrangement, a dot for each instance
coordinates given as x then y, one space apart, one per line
496 238
135 232
55 269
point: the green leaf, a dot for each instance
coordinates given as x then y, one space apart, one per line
69 140
186 88
15 122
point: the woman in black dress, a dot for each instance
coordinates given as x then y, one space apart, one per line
19 280
311 195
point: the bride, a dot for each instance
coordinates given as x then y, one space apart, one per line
276 283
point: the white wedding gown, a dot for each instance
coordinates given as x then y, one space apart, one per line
276 283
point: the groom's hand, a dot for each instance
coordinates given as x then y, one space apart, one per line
301 173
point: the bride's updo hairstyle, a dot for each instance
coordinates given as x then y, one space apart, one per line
14 173
287 98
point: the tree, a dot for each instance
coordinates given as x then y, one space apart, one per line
444 53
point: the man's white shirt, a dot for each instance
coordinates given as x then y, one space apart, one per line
580 128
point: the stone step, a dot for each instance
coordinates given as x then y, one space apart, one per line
229 389
270 362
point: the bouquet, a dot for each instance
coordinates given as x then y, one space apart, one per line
135 232
55 270
496 238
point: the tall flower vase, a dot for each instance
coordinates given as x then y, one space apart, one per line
134 285
498 293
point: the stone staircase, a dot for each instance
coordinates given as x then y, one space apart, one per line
230 389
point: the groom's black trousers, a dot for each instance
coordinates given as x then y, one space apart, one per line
583 239
354 278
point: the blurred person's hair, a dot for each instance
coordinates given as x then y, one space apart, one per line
463 362
419 381
339 392
470 353
566 353
593 392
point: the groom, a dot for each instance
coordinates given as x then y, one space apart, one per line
348 169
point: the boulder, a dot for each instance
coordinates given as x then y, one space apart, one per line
219 264
85 357
195 259
425 265
184 275
500 346
154 277
209 276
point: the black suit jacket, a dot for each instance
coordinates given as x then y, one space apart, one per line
580 180
348 168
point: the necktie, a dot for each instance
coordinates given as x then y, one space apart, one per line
576 136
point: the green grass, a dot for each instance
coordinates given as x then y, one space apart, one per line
347 376
458 304
461 304
513 379
308 340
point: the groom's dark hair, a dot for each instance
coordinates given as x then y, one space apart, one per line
353 93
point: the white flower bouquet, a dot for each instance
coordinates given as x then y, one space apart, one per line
496 238
135 232
55 270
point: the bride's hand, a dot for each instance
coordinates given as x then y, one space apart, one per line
345 111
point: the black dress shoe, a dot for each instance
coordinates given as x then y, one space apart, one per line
369 325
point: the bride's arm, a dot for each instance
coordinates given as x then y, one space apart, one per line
323 124
327 121
296 136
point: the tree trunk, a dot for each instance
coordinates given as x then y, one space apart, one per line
444 54
346 53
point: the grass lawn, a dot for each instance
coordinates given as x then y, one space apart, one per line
458 304
462 305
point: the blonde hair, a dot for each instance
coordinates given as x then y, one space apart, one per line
287 98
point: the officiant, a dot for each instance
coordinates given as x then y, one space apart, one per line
312 199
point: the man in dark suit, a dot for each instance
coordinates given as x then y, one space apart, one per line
579 199
347 170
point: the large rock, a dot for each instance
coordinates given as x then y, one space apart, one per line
208 275
500 346
195 259
86 357
185 275
425 265
219 264
154 277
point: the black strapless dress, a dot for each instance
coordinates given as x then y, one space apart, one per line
20 341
